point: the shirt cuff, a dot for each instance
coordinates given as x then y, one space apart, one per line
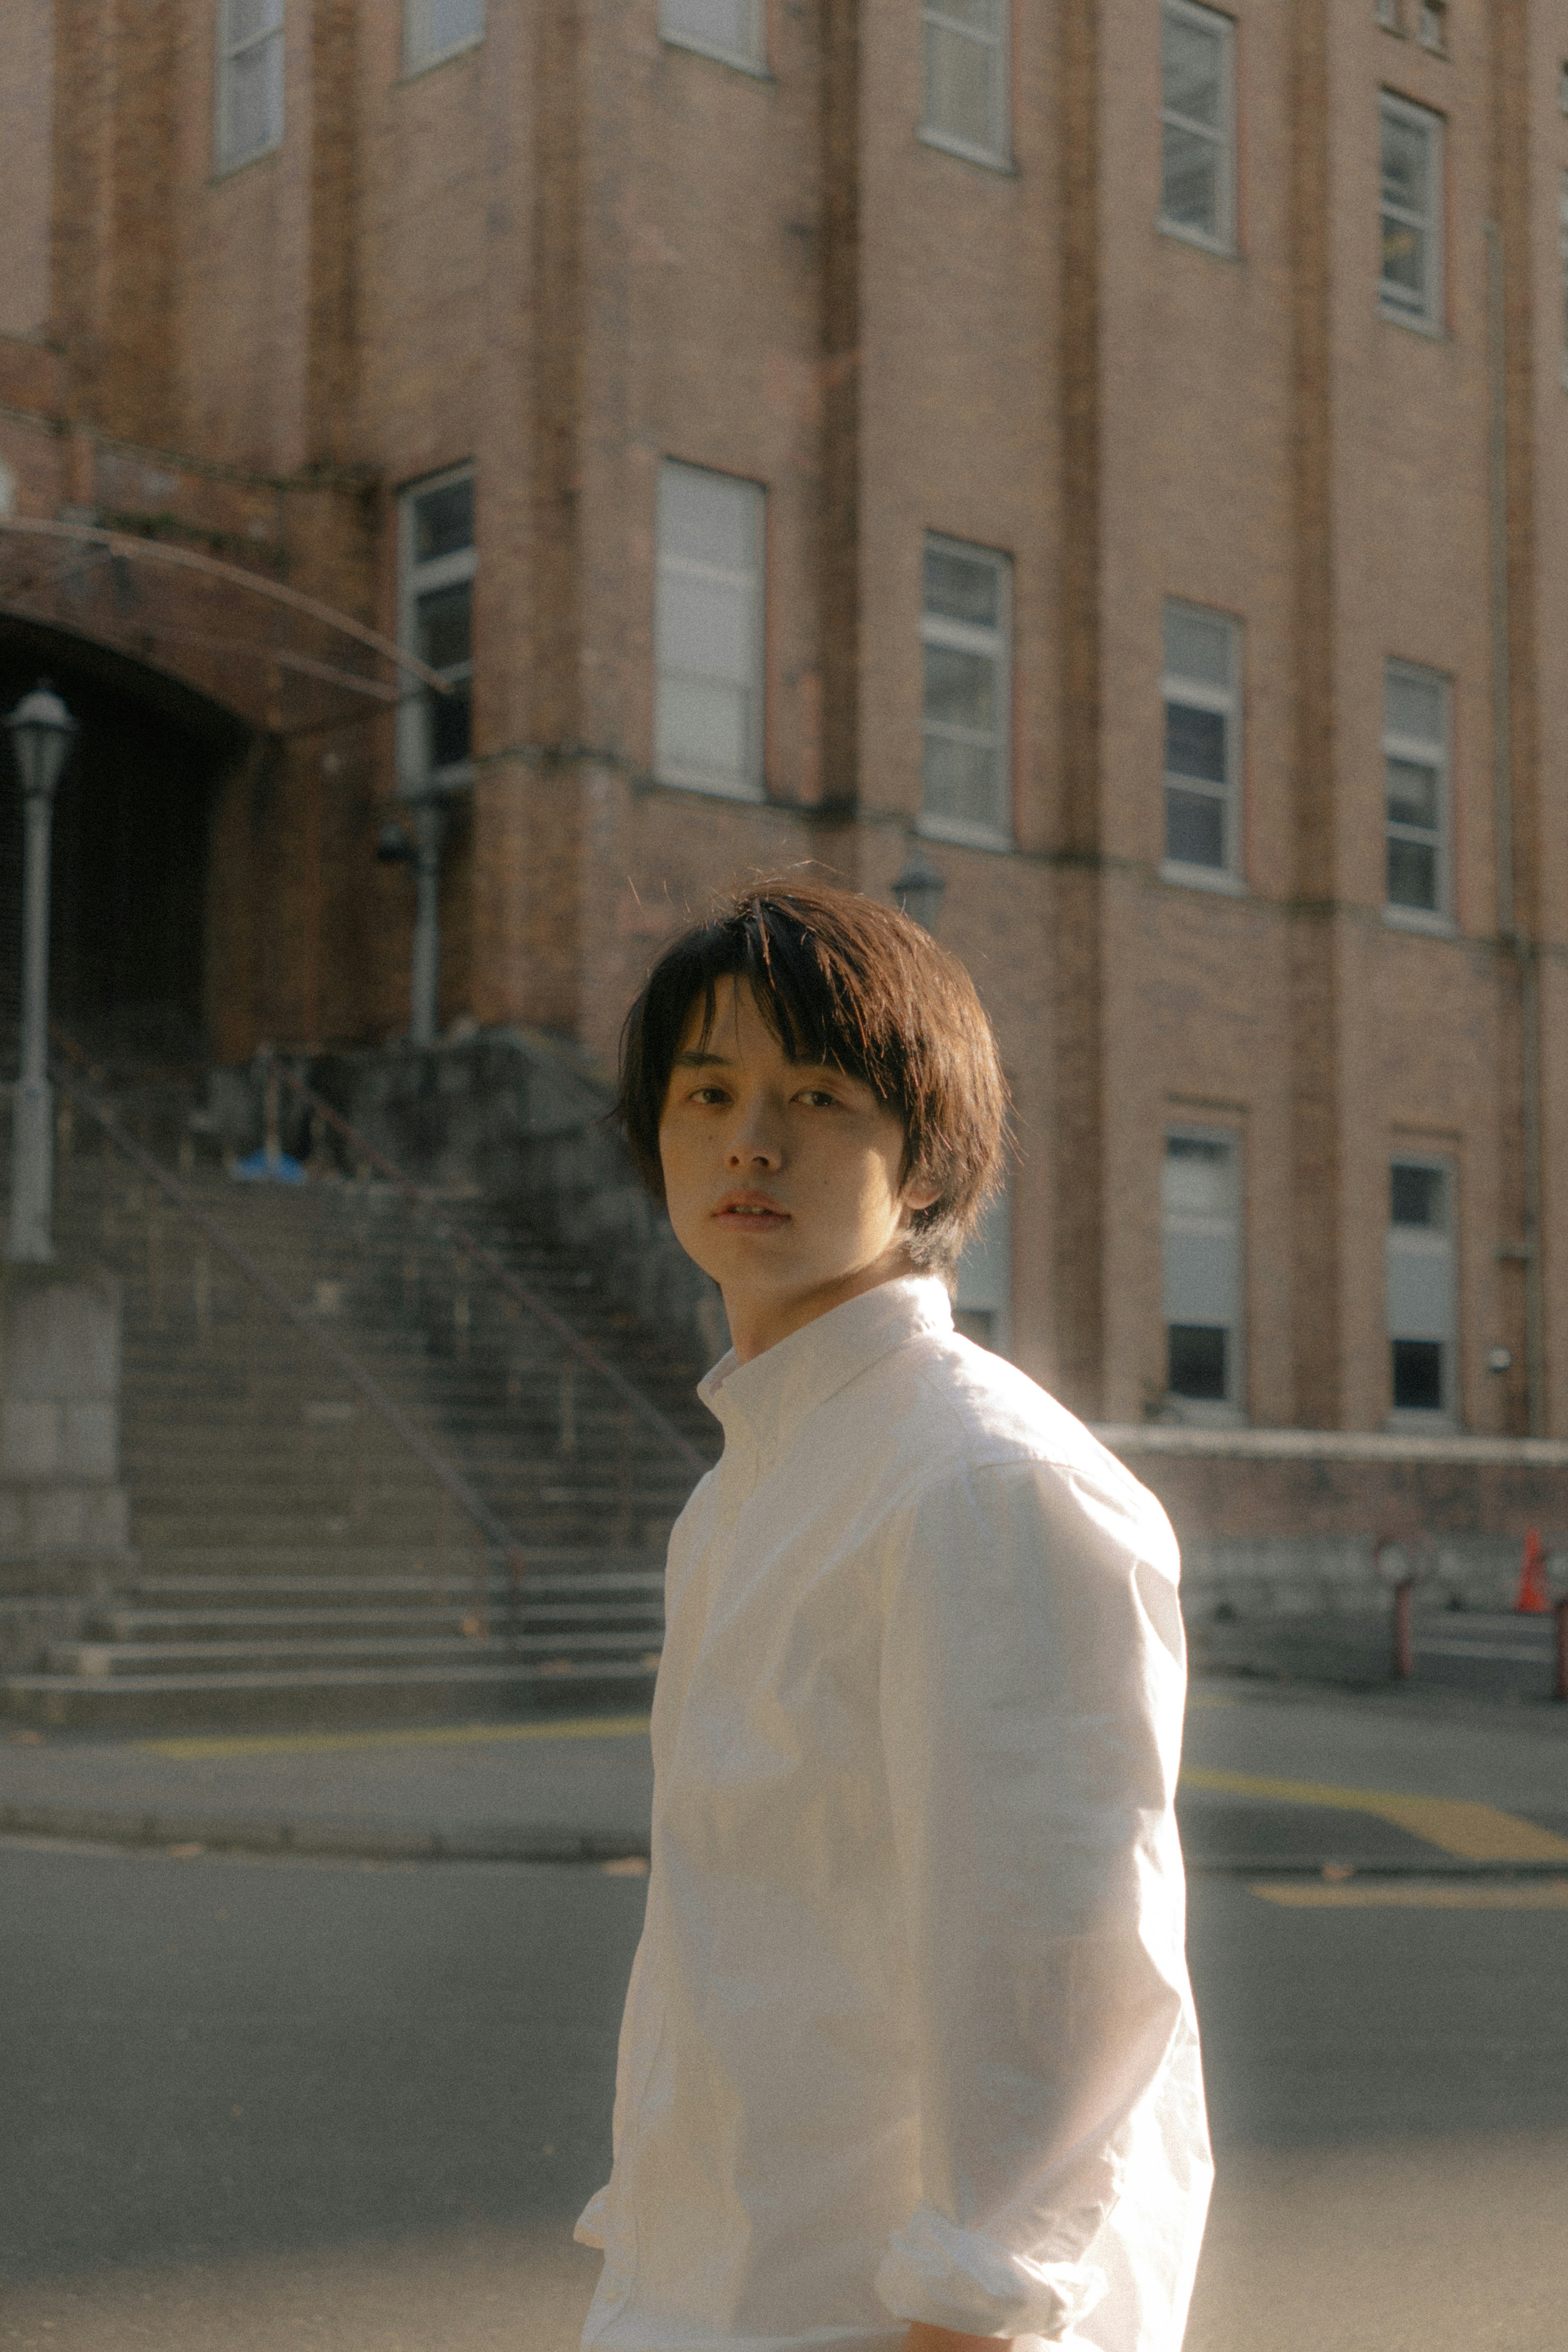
589 2229
954 2278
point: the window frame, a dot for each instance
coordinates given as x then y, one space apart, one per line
1223 239
1430 320
1562 272
970 636
1231 1410
1394 745
416 774
752 787
225 49
1000 156
755 63
1446 1414
1201 694
414 60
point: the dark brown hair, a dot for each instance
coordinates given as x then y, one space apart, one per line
847 982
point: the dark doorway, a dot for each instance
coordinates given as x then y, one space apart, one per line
128 942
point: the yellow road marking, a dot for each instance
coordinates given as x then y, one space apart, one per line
1470 1832
457 1735
1542 1894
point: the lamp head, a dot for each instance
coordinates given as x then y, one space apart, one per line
41 729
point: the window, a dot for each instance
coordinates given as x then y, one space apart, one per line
1420 1265
249 80
1197 110
707 633
1412 158
1415 767
733 30
966 630
1562 262
1432 24
983 1293
967 77
437 560
1201 687
1200 1205
433 29
1387 13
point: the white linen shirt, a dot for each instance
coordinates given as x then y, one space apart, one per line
908 2034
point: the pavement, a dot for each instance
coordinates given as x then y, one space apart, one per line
1278 1778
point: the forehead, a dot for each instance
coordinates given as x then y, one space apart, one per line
739 1033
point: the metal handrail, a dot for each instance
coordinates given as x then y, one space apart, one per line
497 1535
499 1273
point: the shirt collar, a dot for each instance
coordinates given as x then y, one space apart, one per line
769 1398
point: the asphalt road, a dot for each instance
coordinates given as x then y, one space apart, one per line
247 2105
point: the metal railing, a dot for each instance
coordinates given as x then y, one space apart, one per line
499 1540
475 1252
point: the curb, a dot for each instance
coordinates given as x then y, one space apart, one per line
228 1834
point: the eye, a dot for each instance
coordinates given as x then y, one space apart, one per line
818 1096
707 1095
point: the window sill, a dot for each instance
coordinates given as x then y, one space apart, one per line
746 795
985 157
416 71
1430 926
1195 1412
232 165
1406 1419
756 70
1222 249
1433 329
966 836
1204 877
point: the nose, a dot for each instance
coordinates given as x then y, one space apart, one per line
756 1138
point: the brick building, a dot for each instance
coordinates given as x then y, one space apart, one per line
1114 448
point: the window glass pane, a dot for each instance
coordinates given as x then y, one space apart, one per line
248 79
730 26
1417 1375
981 15
1412 794
450 727
704 626
1197 1176
452 21
1414 706
1198 646
1190 187
1413 875
962 587
1195 742
1415 1196
959 71
441 626
1195 828
1406 164
1403 263
247 18
960 689
962 781
707 518
1194 63
1196 1362
443 521
703 728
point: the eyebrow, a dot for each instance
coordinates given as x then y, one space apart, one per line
693 1060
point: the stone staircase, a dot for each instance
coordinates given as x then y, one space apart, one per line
295 1562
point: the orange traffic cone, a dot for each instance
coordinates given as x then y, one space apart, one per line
1533 1599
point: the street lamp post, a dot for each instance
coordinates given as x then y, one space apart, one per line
41 729
422 853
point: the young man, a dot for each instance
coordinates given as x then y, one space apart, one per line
909 2058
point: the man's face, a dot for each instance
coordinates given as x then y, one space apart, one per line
782 1178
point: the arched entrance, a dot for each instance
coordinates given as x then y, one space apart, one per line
128 947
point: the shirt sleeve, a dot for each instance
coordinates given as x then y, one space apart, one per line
1033 1677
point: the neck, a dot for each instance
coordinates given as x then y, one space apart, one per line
758 1322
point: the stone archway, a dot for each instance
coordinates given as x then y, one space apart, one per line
127 920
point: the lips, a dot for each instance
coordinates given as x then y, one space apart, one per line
750 1213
